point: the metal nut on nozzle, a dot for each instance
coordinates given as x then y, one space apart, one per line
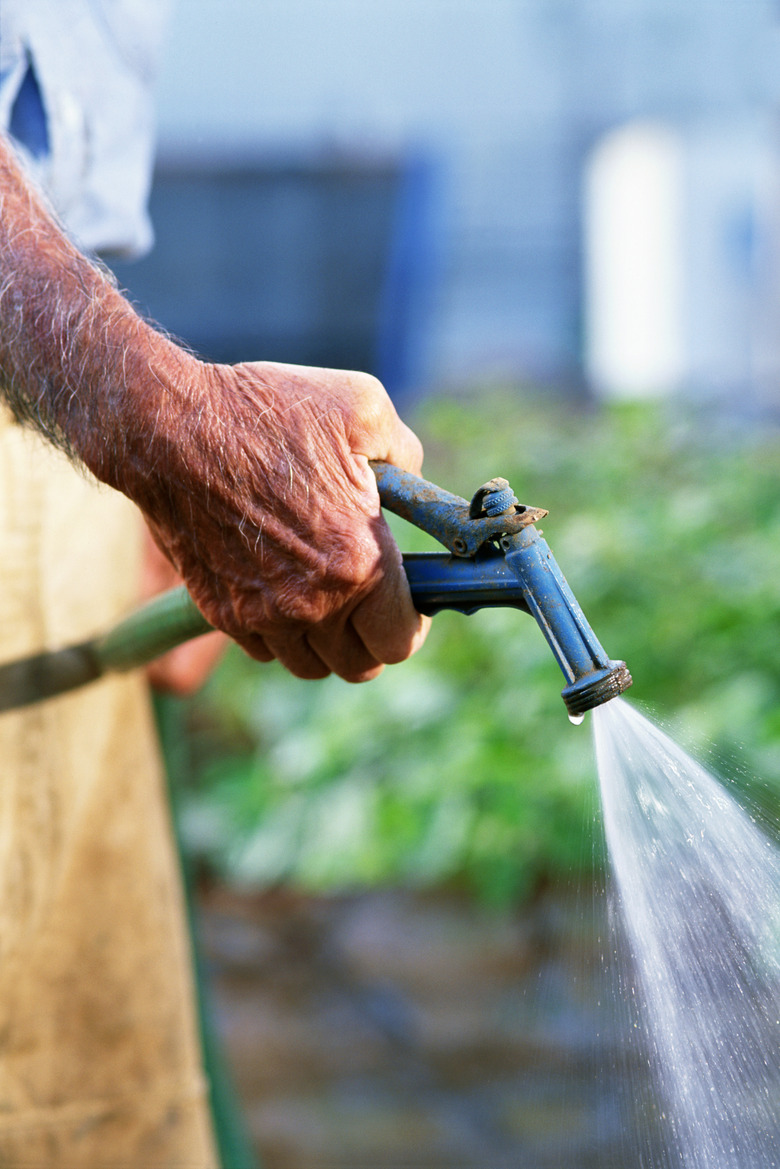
493 498
596 689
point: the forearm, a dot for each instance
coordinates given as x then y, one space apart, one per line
75 358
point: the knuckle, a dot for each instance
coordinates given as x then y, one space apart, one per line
296 608
369 385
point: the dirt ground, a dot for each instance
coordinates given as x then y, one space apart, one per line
395 1031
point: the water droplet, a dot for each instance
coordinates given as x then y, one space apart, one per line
576 719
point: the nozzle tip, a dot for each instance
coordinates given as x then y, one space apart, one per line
597 688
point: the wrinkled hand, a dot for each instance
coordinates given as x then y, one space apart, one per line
254 478
261 495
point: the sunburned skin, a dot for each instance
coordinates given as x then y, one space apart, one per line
254 478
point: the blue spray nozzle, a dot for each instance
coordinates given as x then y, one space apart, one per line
498 558
592 677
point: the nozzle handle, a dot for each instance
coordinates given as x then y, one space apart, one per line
445 516
438 581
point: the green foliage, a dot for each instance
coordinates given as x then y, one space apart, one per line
460 765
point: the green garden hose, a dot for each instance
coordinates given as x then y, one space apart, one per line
152 630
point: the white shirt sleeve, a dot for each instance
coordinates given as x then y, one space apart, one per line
95 62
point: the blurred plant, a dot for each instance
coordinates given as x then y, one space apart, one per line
460 765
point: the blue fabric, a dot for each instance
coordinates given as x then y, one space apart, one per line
28 116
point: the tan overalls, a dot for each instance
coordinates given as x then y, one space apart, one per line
99 1057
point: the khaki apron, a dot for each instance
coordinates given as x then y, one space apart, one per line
99 1056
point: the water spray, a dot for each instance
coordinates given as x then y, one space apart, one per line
495 558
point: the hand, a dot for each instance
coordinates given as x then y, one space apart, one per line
254 478
260 492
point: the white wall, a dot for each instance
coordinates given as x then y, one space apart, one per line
634 262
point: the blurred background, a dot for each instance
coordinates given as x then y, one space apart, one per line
552 228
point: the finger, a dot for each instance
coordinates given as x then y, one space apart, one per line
377 431
344 652
404 449
386 620
297 656
401 448
256 646
389 630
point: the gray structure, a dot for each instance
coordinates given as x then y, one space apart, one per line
493 107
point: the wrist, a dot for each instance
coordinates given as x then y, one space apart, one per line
143 404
